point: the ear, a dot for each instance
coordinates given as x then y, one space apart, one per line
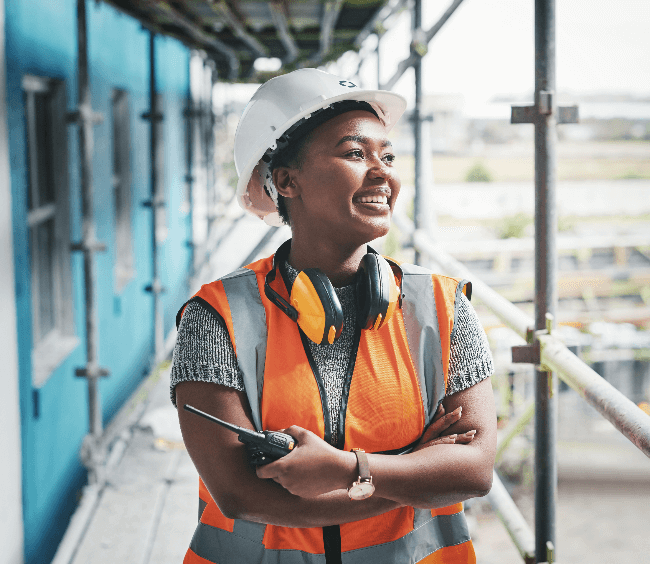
283 178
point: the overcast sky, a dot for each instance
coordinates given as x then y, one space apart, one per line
487 48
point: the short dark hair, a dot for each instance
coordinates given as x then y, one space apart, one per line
291 156
291 146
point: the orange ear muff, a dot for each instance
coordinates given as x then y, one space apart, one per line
377 292
320 315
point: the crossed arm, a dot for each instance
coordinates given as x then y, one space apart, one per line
307 488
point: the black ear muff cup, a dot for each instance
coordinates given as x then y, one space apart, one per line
373 291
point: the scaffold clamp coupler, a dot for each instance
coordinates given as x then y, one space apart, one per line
84 113
153 203
526 354
89 246
155 288
91 372
544 107
148 116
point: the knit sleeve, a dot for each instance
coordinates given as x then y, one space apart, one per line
203 351
470 359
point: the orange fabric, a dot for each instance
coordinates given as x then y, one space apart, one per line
309 540
384 410
290 395
192 558
388 527
449 510
463 552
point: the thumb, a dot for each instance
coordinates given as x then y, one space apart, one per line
298 433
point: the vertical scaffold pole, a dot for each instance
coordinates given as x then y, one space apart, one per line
156 200
545 275
86 119
417 124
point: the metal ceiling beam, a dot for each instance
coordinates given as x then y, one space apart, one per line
419 49
238 28
282 26
195 33
377 21
331 11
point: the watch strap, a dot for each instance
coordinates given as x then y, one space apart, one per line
362 461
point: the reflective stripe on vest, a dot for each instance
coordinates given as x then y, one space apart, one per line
423 335
249 323
244 544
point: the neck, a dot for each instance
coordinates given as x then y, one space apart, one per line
339 264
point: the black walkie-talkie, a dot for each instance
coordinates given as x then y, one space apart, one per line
263 448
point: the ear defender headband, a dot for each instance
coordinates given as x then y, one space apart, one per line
315 307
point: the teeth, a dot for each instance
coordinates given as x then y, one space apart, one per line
374 199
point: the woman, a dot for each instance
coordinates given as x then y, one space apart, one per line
370 376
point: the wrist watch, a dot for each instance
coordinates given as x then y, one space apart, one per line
363 488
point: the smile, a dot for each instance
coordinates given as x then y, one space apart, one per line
377 199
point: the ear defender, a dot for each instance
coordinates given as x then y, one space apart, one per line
377 292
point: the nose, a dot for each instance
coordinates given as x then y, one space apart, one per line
379 169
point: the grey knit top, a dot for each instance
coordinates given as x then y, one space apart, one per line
204 351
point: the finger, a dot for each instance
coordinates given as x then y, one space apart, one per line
444 422
269 471
466 437
439 412
447 440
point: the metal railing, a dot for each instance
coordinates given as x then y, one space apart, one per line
555 358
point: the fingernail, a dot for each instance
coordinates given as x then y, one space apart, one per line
472 432
453 436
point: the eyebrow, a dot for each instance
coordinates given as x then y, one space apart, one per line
361 139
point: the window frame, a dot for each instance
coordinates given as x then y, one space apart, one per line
51 348
124 269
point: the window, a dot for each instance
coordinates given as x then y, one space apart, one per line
47 219
124 262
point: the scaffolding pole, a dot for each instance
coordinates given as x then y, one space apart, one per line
545 277
85 118
156 200
417 123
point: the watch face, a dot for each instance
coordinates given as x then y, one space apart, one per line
361 490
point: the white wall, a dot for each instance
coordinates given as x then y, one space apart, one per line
11 515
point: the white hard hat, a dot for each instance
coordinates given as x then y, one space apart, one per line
274 108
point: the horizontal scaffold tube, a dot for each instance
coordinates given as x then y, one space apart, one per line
620 411
512 519
628 418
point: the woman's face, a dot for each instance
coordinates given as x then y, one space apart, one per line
347 185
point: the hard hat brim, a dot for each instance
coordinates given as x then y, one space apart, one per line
250 187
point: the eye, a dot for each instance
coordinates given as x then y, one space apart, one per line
357 153
389 158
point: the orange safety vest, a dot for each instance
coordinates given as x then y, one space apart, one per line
396 378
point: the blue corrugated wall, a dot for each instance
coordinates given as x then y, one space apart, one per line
41 40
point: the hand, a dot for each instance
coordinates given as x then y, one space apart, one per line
313 468
441 422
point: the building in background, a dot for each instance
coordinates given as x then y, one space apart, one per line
42 290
